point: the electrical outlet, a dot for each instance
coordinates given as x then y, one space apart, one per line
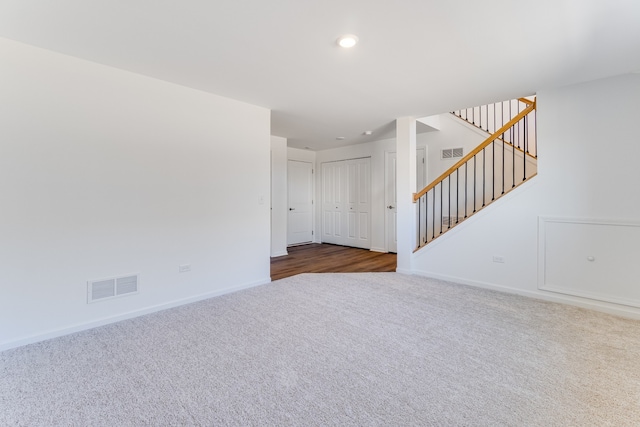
499 259
184 268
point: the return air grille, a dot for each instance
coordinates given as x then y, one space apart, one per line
451 153
103 289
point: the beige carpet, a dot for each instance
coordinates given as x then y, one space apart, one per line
336 349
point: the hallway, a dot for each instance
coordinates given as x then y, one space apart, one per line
326 258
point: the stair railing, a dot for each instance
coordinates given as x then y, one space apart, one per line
503 161
491 117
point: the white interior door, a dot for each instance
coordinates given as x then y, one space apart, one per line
391 216
332 202
300 200
358 203
346 202
390 203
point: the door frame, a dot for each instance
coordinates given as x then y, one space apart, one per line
313 204
386 178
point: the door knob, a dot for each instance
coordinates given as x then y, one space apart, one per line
389 207
292 209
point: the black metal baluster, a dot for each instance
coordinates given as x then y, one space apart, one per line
449 197
493 170
535 133
457 194
526 133
524 152
433 217
426 218
441 206
494 118
503 165
484 174
419 225
475 169
466 185
486 117
510 117
513 161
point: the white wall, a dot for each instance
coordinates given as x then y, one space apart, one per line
278 196
105 172
588 145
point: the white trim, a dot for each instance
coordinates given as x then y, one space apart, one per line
344 160
385 196
569 300
277 254
130 315
382 250
544 286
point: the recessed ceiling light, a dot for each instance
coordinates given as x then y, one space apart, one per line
339 138
367 132
347 41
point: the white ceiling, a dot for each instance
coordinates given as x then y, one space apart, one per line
415 57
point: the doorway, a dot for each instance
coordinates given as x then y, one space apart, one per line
391 197
300 201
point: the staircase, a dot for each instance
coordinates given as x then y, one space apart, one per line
506 159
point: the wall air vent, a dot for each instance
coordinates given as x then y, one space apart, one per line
103 289
451 153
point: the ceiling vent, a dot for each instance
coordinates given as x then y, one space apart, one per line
103 289
451 153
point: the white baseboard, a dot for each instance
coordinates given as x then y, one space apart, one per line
124 316
277 254
383 250
604 307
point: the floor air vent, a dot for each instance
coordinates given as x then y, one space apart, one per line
103 289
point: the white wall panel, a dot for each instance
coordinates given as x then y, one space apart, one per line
577 257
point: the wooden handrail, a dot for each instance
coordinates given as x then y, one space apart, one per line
531 105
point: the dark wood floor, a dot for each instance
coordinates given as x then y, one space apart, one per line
325 258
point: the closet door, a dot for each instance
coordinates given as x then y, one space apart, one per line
332 202
358 203
346 202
